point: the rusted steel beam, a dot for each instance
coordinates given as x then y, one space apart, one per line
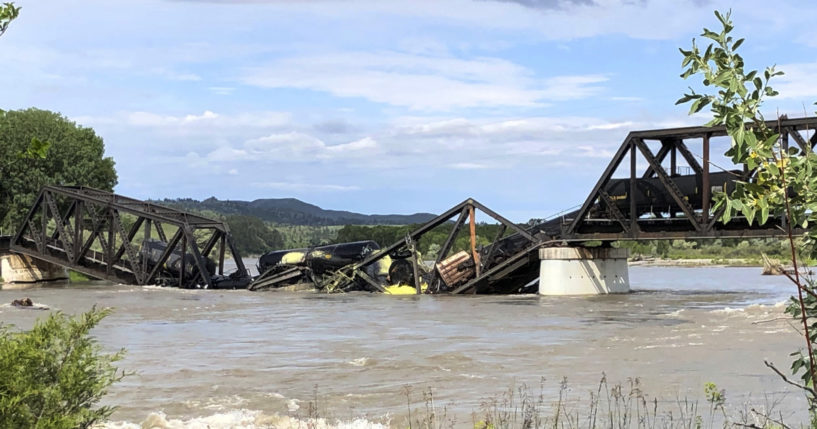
449 241
666 148
490 256
199 259
798 138
670 186
633 187
809 123
689 157
64 237
705 182
594 193
617 215
502 220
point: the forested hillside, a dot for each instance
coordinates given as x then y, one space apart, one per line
291 211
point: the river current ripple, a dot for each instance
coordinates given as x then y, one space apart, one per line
234 358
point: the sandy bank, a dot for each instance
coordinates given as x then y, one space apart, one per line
660 262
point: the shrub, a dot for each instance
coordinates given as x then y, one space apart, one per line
54 375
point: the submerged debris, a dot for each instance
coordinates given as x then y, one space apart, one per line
771 267
508 264
312 266
27 304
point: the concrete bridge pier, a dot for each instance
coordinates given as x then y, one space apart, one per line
16 268
583 271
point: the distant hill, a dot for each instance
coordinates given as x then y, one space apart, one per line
291 211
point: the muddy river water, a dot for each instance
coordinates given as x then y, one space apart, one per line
230 358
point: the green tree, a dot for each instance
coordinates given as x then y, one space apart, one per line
76 156
8 13
784 182
252 236
55 375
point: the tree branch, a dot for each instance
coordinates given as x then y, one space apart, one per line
786 379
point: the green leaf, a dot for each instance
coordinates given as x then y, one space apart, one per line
686 98
764 215
737 44
749 212
737 205
727 214
699 104
710 35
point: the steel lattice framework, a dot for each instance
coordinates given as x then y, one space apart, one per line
104 235
688 214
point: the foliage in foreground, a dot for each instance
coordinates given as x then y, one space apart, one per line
8 13
784 180
607 406
55 375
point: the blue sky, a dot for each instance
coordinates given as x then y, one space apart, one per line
380 106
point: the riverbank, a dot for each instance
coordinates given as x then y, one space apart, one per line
693 262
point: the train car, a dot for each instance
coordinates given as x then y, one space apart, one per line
651 196
152 250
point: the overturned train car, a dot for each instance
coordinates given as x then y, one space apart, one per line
182 269
310 268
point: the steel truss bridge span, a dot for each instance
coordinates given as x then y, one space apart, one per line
109 236
656 201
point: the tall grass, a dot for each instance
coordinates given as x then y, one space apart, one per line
607 406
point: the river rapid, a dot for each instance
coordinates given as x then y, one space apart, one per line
223 359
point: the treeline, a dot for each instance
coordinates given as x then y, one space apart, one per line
726 248
252 236
291 211
429 244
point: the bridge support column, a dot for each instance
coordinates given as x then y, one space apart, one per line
583 271
24 269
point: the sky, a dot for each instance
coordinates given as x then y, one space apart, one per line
381 106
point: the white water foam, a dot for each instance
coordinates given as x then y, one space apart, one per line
359 361
241 419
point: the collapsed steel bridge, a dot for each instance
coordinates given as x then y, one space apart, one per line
497 268
108 236
655 201
83 229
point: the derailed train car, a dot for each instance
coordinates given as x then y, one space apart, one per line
178 266
311 267
152 251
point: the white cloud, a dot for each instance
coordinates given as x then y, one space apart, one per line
797 82
423 82
471 166
300 187
452 144
295 147
147 119
203 122
611 126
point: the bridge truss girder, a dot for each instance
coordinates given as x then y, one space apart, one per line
492 272
102 235
693 218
